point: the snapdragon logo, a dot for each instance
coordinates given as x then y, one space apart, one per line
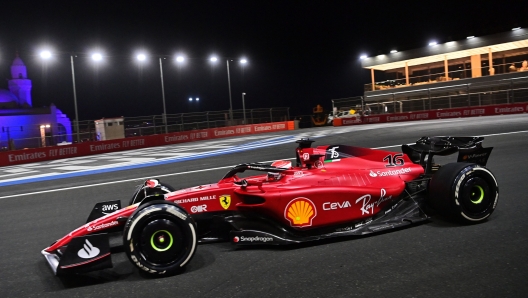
252 239
88 251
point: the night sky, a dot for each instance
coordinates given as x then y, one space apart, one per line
300 53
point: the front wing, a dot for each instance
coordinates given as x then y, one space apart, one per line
83 254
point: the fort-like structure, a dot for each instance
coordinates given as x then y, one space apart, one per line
21 124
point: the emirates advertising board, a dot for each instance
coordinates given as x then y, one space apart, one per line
440 114
88 148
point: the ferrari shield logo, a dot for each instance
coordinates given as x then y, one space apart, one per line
225 201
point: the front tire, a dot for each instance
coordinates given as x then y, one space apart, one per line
465 192
160 238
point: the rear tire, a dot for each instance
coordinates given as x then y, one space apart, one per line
465 192
160 238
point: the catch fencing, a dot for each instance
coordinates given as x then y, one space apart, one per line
142 126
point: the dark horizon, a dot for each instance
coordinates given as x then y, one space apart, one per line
300 54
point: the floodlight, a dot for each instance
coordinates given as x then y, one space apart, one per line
45 54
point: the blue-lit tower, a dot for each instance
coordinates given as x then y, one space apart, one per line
19 84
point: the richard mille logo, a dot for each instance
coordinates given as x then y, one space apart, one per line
88 251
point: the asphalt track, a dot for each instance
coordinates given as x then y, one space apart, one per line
435 259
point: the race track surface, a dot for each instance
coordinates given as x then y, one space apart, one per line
434 259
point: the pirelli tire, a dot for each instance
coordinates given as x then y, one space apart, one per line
160 238
464 192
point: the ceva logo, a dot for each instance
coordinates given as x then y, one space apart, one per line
88 251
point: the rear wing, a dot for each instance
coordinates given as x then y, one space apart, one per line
469 150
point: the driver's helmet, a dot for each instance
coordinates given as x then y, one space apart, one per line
273 176
282 164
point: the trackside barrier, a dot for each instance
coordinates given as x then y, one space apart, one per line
15 157
437 114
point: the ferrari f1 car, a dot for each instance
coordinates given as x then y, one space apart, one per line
331 191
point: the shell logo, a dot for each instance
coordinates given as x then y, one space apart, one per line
300 212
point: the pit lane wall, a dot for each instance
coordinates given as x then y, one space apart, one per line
436 114
16 157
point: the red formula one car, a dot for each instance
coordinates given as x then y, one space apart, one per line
332 191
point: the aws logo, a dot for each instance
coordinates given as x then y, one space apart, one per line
300 212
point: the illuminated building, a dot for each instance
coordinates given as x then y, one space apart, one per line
19 120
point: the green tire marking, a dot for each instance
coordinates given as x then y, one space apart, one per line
481 195
159 249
